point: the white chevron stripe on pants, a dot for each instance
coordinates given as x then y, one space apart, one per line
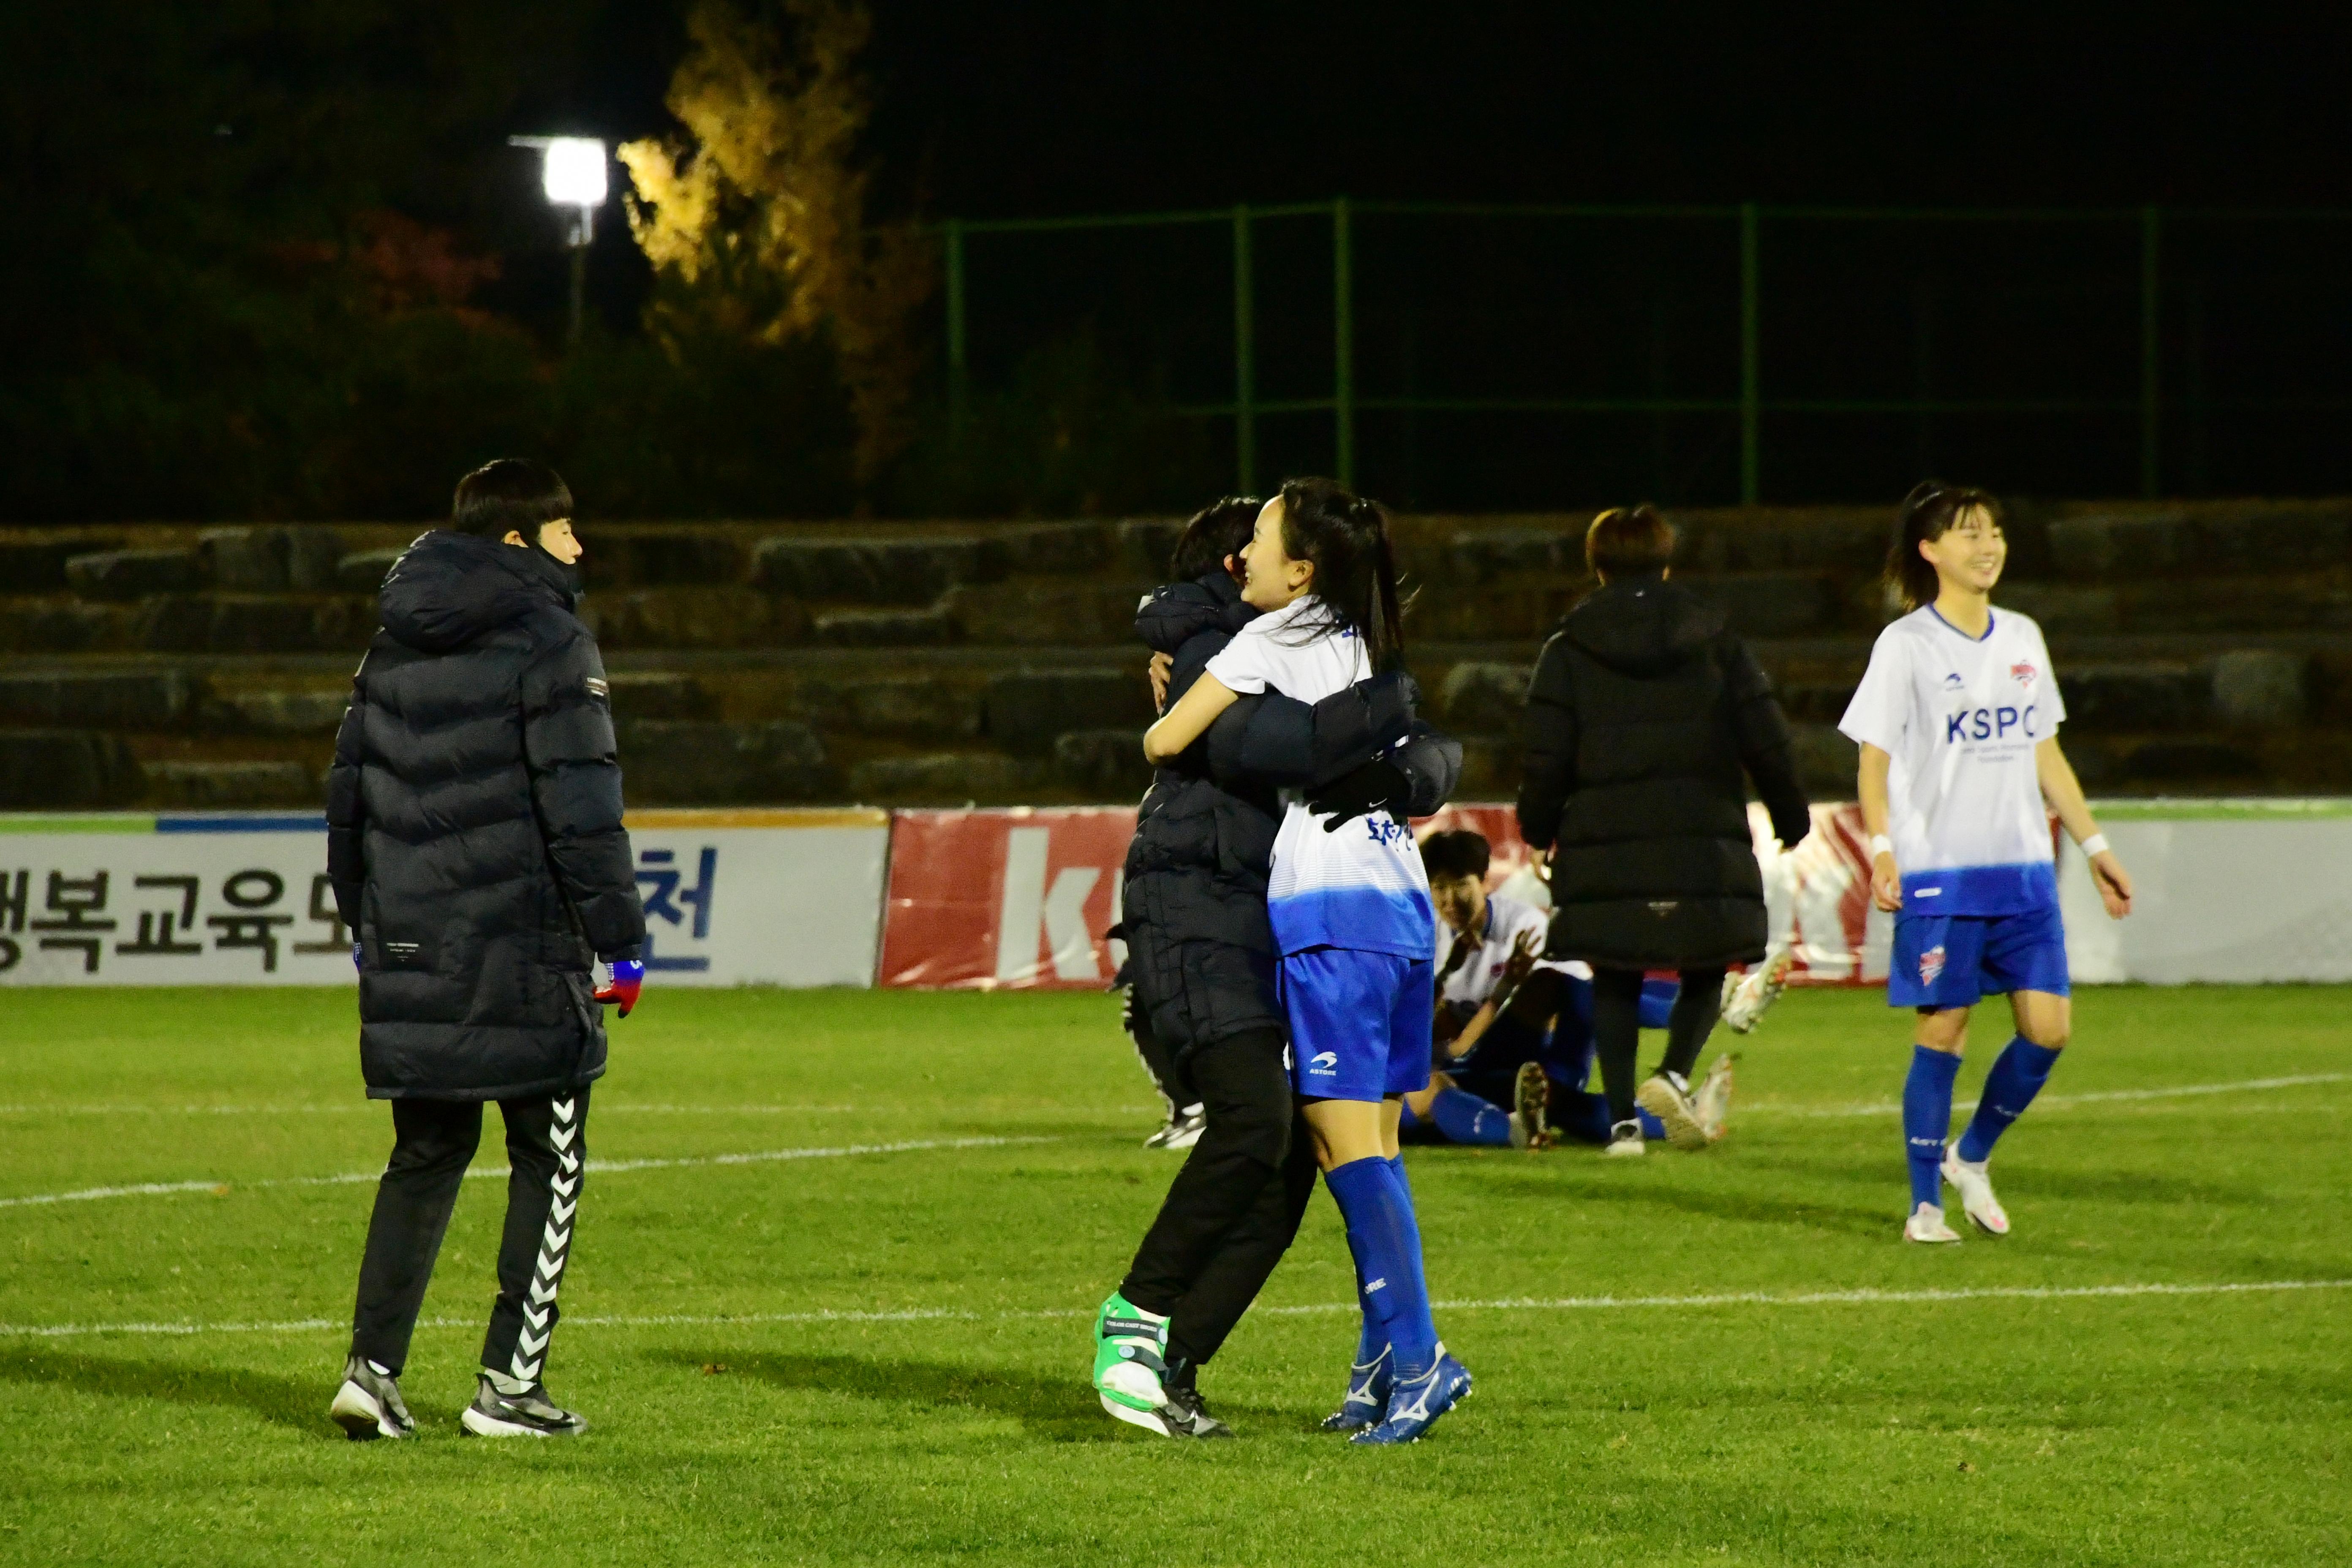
562 1190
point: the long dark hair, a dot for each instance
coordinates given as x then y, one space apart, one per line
1346 537
1218 530
1927 514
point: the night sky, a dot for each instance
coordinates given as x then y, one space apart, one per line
149 145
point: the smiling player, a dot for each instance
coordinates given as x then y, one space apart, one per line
1958 719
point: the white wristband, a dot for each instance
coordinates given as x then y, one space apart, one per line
2094 845
1880 844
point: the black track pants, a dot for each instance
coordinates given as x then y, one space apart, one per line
1240 1269
1244 1090
1166 1073
1617 1028
432 1142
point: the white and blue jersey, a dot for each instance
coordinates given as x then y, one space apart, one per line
1362 886
1351 908
1960 717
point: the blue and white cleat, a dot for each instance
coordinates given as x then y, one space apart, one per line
1414 1408
1367 1395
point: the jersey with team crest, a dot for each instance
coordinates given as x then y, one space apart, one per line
1465 984
1959 716
1362 886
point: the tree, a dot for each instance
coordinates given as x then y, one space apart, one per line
756 218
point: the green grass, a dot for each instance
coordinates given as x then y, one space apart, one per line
2190 1428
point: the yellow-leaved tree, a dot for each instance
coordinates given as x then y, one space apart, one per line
759 208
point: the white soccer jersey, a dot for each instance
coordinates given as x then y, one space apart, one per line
1363 886
1468 986
1961 716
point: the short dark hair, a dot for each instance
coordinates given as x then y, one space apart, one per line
1216 531
1630 541
1459 853
1927 514
509 495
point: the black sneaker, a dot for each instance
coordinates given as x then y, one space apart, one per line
529 1414
1187 1417
369 1405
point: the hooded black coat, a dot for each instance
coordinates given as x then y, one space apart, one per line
1643 711
474 829
1201 949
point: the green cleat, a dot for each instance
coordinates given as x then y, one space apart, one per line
1130 1345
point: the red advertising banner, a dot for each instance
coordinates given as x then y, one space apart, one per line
1016 899
1021 897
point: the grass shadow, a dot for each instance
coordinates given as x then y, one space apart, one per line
1060 1409
1743 1207
300 1402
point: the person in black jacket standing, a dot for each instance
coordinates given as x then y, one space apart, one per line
477 852
1643 709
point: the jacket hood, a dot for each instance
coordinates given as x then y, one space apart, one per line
448 590
1172 616
1644 625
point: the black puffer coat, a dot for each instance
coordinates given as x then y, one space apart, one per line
1643 709
474 829
1201 950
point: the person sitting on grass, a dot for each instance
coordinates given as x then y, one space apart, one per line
1512 1039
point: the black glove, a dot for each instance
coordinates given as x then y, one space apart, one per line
1375 786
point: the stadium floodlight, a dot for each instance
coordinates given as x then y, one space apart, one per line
572 171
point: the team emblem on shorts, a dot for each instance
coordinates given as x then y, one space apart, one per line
1328 1061
2022 673
1931 965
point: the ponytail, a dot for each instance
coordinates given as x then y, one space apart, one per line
1346 538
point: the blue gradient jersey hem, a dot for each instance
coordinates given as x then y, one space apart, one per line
2015 890
1399 921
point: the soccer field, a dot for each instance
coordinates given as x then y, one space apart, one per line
839 1252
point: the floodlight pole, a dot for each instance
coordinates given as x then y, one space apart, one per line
583 231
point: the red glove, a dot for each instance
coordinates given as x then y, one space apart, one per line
628 979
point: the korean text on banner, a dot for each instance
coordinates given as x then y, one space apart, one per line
1020 897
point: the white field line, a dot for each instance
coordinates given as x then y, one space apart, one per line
487 1172
1860 1298
2174 1091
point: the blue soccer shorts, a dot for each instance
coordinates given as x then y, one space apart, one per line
1952 961
1360 1022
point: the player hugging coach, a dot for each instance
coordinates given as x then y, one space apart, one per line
475 841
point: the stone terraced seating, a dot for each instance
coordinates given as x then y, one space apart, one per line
2203 646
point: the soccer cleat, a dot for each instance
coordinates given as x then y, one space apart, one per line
1983 1209
1666 1096
1414 1407
369 1405
529 1414
1625 1139
1531 1108
1183 1413
1712 1100
1130 1348
1747 996
1183 1129
1926 1224
1367 1395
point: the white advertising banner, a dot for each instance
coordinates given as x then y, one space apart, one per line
2229 893
732 897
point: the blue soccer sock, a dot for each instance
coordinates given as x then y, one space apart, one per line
2016 1077
1464 1118
1387 1243
1652 1128
1372 1338
1928 1120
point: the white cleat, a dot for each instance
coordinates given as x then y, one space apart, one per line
1666 1096
1712 1100
1926 1224
1983 1209
1747 996
1625 1142
1183 1129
